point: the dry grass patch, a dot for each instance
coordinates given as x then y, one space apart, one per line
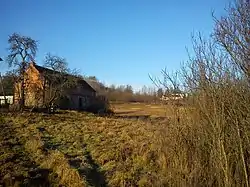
33 143
102 151
130 110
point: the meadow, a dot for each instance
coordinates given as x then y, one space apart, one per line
204 142
80 149
140 145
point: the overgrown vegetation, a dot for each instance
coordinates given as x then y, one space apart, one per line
210 147
205 143
80 149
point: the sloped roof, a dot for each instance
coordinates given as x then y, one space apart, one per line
50 71
43 69
96 85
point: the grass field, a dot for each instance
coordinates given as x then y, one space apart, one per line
137 109
142 109
141 145
80 149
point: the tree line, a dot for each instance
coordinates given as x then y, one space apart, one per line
114 93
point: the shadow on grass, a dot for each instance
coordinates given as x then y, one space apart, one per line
17 169
146 118
37 177
92 173
140 117
49 143
125 112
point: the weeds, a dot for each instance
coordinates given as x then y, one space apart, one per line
210 145
205 143
94 151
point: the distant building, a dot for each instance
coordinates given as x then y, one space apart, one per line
174 97
9 99
78 97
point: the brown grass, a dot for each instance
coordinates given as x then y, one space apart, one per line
204 144
80 148
142 109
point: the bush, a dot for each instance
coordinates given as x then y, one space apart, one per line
208 142
100 106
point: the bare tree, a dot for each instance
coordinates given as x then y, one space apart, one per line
217 76
171 82
58 78
22 50
232 33
160 92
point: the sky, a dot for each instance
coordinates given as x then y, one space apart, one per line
119 42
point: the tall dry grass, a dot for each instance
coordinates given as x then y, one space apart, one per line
209 145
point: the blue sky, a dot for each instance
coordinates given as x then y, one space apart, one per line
119 42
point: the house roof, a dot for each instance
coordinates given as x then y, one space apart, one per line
50 71
96 85
43 69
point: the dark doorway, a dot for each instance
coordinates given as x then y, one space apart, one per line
80 103
64 103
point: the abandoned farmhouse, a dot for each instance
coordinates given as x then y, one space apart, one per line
78 96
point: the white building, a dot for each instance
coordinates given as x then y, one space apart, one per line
9 99
173 97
